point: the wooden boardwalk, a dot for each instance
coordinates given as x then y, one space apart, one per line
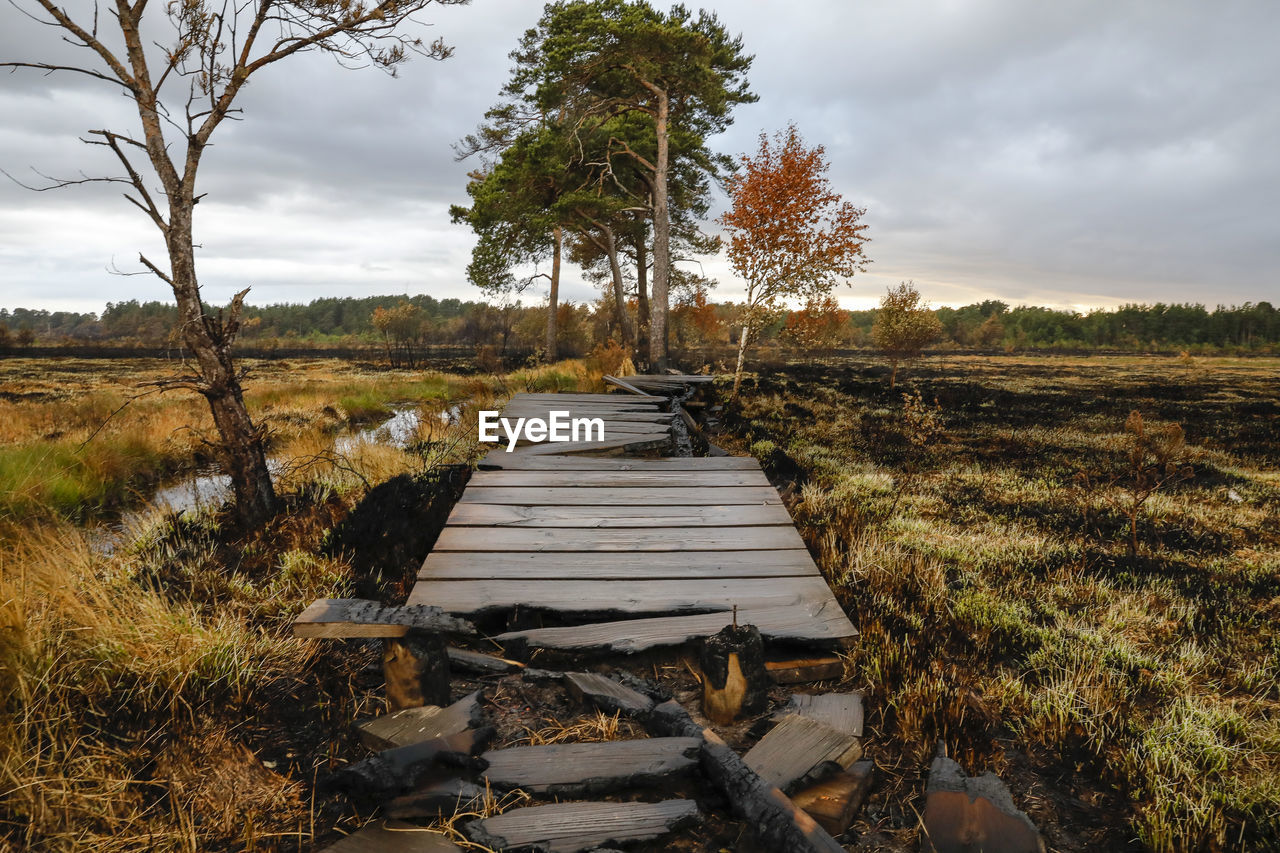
645 551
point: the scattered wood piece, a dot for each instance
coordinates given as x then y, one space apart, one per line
776 821
835 801
414 725
574 769
627 386
606 694
795 746
416 668
800 670
357 617
571 827
734 681
385 836
824 623
400 770
971 813
469 661
436 801
840 711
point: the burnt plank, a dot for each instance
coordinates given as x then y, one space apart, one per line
356 617
469 661
664 497
621 596
386 836
629 540
824 624
413 725
572 769
571 827
606 694
799 670
442 800
796 746
392 772
546 565
835 801
507 515
840 711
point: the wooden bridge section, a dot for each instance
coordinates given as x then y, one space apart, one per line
637 552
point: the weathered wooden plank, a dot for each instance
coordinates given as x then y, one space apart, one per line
627 539
629 443
800 670
388 836
824 624
612 479
626 386
507 515
573 769
669 463
577 410
839 711
571 827
621 596
550 565
444 799
625 399
774 819
796 746
469 661
611 423
668 497
414 725
835 801
606 694
356 617
403 768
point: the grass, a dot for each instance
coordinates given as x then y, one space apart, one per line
151 696
1000 608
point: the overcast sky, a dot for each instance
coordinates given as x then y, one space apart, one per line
1071 154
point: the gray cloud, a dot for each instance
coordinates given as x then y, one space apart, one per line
1069 154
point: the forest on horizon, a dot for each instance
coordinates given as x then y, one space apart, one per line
422 320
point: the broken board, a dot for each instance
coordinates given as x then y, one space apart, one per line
590 768
796 746
571 827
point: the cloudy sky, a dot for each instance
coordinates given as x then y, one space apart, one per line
1071 154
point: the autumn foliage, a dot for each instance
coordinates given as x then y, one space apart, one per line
790 235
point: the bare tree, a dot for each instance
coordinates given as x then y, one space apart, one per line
183 91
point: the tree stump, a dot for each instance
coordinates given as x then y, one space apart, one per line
416 668
734 680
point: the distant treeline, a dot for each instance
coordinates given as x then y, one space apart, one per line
400 326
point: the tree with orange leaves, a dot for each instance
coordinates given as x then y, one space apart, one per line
790 234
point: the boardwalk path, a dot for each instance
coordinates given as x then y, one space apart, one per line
646 551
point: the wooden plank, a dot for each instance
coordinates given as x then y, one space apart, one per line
620 596
583 410
606 397
796 746
773 818
469 661
605 694
571 827
442 800
835 801
669 463
628 539
616 420
626 386
823 624
356 617
414 725
630 443
507 515
396 771
388 836
668 497
839 711
800 670
550 565
627 480
565 769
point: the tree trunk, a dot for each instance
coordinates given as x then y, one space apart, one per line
661 242
554 300
242 452
619 291
642 294
743 339
893 375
